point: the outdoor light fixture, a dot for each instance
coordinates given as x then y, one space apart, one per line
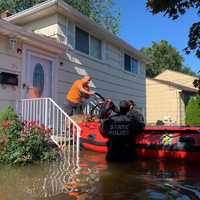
12 43
19 51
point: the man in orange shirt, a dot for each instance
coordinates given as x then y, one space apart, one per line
80 89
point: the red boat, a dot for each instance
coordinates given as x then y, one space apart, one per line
155 142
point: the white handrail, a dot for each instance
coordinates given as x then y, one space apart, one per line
88 107
47 113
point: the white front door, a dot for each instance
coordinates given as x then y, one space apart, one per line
39 74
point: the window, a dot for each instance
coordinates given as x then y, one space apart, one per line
131 64
127 62
134 66
88 44
95 47
38 77
82 41
70 34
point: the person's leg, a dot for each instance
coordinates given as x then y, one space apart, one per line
69 108
78 109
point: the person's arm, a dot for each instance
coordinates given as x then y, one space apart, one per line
81 89
137 120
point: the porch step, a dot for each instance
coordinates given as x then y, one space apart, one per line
60 140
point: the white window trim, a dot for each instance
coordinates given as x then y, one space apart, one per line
101 59
67 28
89 45
85 54
132 60
89 57
130 72
74 36
76 26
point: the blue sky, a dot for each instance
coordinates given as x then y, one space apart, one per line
139 28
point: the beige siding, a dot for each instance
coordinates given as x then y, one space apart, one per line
177 77
47 26
9 62
163 102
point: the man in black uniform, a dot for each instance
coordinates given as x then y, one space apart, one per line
136 117
119 129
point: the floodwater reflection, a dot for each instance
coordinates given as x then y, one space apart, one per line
93 178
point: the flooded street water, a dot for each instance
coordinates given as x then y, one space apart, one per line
92 178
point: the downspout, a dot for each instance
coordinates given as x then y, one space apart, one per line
178 96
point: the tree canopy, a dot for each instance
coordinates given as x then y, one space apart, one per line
164 56
196 83
174 9
101 11
193 112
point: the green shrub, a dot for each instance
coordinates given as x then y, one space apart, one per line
193 112
21 144
8 114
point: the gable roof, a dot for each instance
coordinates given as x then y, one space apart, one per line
59 6
175 85
175 72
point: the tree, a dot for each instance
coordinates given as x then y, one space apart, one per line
193 111
101 11
196 83
174 9
164 56
187 70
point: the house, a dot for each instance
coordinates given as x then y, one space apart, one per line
52 44
167 97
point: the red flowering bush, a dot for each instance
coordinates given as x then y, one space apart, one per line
25 142
35 126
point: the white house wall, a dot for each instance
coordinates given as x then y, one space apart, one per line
46 26
109 77
10 62
114 56
109 81
108 74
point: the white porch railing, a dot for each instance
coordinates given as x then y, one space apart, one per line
88 107
45 112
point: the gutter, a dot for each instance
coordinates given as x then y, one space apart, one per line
31 10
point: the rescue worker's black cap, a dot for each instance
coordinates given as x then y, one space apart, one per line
124 106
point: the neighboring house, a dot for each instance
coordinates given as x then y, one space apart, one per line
75 46
167 97
177 77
